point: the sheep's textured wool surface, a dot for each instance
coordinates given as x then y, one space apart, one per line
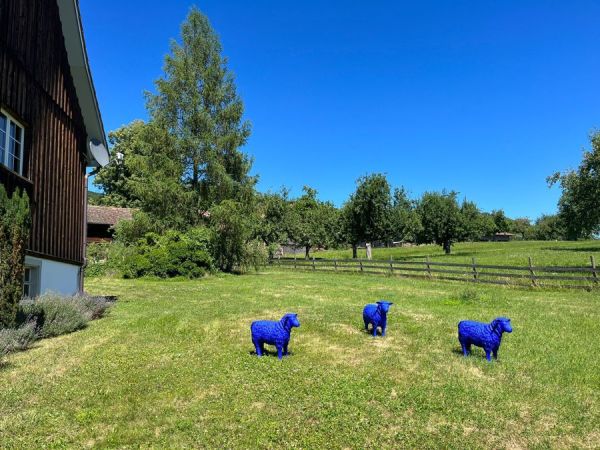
485 335
376 315
273 333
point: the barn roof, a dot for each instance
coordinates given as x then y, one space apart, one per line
80 71
108 215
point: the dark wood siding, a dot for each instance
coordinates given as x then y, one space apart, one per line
36 87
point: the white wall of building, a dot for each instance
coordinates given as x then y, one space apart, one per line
53 276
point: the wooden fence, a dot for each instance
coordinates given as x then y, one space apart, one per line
585 277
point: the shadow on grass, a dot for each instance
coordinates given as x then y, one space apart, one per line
476 352
457 351
5 365
572 249
271 353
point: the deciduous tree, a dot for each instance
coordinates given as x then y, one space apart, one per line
405 222
579 204
440 217
312 222
368 212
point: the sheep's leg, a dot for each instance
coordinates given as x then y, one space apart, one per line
488 354
258 347
280 352
495 352
465 348
374 330
285 348
366 325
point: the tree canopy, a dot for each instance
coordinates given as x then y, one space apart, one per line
198 105
579 204
440 217
311 221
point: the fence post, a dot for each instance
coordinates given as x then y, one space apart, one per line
314 268
428 266
361 267
474 268
294 261
594 273
392 265
533 282
335 264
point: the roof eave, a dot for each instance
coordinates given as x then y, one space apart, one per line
80 71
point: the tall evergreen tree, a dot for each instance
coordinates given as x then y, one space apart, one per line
197 102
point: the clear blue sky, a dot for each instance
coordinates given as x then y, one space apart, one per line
485 98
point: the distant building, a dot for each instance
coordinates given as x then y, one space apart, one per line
502 237
102 219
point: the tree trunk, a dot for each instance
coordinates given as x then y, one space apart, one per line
307 253
354 251
368 247
447 246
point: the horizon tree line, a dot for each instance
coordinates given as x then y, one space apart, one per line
184 168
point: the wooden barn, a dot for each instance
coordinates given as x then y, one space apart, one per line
101 221
50 124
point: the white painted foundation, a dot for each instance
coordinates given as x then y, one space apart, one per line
53 276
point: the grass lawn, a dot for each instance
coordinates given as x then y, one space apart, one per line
543 253
171 366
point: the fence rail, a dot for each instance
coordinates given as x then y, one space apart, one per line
585 277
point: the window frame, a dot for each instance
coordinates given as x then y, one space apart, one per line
10 120
31 284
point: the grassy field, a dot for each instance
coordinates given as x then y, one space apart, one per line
171 366
543 253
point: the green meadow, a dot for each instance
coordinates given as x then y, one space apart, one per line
171 366
516 253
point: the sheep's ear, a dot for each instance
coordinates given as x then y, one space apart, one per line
495 324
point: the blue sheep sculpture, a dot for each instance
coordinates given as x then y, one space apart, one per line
485 335
273 333
376 315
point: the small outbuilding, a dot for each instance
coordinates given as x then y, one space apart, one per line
503 237
102 219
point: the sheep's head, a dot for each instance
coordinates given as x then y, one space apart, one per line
384 305
291 320
502 324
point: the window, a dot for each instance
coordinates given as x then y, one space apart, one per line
30 288
11 143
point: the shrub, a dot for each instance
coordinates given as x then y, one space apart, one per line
170 255
17 339
130 231
14 231
232 225
257 255
54 315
